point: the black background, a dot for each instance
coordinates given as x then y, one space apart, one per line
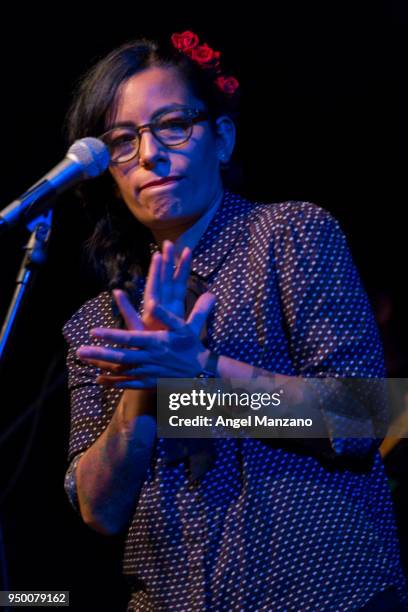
324 119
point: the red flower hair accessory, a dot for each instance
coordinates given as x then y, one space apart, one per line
206 58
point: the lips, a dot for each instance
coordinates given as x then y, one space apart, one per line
163 181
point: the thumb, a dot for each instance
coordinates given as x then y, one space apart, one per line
200 312
129 314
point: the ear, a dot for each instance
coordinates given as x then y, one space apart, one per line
226 135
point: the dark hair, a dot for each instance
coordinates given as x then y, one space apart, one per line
116 255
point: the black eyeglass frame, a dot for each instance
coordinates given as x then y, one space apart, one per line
194 115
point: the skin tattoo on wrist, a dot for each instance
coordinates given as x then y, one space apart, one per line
259 372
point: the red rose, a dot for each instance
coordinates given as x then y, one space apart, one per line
205 56
185 41
228 85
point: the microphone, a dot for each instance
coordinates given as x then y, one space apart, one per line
85 159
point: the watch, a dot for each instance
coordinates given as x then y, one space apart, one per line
210 367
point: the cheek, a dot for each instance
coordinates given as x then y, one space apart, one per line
203 161
122 183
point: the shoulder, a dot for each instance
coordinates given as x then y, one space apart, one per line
295 224
96 312
291 214
301 226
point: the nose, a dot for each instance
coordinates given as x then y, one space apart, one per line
150 149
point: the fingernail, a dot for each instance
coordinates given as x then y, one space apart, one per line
83 351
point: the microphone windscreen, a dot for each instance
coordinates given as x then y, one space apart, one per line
92 154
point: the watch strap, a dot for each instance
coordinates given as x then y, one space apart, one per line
210 367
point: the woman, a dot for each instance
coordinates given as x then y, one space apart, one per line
235 524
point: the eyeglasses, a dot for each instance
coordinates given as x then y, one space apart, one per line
171 129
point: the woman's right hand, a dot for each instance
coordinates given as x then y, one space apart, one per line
166 285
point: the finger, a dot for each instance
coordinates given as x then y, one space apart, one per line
200 312
152 289
107 366
143 383
129 314
170 320
148 383
167 269
142 371
113 356
182 273
105 379
133 338
183 266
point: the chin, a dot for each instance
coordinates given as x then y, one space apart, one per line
162 208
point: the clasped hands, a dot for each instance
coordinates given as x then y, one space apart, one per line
161 343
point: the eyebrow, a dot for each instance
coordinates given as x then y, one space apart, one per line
159 111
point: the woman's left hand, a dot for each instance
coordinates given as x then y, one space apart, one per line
176 352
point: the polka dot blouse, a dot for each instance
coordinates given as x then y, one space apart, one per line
264 527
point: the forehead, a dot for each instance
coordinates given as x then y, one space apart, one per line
147 92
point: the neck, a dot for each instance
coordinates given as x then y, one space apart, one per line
188 235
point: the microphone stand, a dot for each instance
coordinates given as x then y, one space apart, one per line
34 257
86 158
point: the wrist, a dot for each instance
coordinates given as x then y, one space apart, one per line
135 403
209 365
202 358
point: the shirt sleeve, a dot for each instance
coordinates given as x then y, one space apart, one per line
91 405
331 326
